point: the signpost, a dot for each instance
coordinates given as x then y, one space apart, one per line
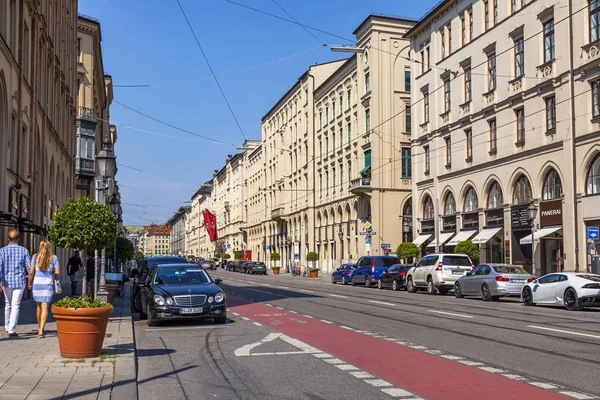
386 248
368 233
593 232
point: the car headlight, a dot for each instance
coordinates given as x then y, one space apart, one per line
170 301
159 300
219 297
211 299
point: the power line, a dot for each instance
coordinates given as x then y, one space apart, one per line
211 70
296 21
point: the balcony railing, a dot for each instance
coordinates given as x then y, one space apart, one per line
86 113
85 167
277 213
360 185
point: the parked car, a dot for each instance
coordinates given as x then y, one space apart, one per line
232 266
181 291
208 264
394 277
244 266
437 272
572 290
146 266
257 268
369 268
492 281
343 274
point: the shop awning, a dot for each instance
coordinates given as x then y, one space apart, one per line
462 236
421 239
540 234
485 235
443 239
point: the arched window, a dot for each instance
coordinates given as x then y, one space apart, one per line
495 198
450 205
471 202
407 210
522 193
552 186
593 178
428 210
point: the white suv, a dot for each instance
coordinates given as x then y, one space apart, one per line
437 272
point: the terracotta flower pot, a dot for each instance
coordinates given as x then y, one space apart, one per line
112 288
314 274
81 331
276 271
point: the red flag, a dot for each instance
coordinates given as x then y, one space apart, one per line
210 222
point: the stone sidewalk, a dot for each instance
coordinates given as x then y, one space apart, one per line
32 368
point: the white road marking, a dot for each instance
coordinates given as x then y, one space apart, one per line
322 355
543 385
514 377
303 347
378 382
492 370
383 303
450 313
246 318
346 367
327 322
346 327
334 361
294 312
266 284
307 291
281 308
234 313
257 324
471 363
396 392
576 395
338 296
563 331
282 287
418 347
450 357
361 374
308 316
436 352
269 305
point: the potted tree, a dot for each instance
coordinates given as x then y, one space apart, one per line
311 257
81 323
407 251
275 257
227 256
237 255
470 249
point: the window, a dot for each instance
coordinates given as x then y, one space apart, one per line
79 58
522 193
333 179
349 98
447 96
407 81
425 107
486 15
520 114
320 119
320 185
594 20
593 178
428 210
549 40
327 114
470 12
86 148
443 43
552 186
495 198
495 20
327 182
448 142
321 149
519 57
449 204
368 120
449 38
349 171
341 136
333 138
406 167
341 174
469 139
13 25
423 69
341 103
467 75
367 155
326 146
26 41
463 29
426 153
427 58
349 133
550 114
493 137
596 99
367 83
333 108
408 118
491 66
471 202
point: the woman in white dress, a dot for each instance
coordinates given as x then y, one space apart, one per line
44 268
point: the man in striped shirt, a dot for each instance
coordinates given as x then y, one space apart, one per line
14 268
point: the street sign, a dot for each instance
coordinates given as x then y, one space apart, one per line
593 233
385 246
368 240
372 233
368 225
228 245
368 247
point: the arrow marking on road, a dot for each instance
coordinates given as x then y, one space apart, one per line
304 348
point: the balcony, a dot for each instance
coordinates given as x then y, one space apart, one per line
85 168
360 185
277 213
86 113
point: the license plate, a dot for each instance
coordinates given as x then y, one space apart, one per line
518 280
457 272
195 310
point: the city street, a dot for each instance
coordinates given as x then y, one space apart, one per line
294 338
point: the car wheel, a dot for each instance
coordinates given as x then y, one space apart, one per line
571 300
344 281
367 282
410 286
527 296
352 281
443 291
220 320
379 284
333 280
430 287
150 321
485 293
458 291
395 285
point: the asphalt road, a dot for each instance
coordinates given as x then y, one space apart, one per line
295 338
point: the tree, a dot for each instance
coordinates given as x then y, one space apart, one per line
275 257
237 255
125 249
407 251
469 248
85 225
227 256
311 257
138 256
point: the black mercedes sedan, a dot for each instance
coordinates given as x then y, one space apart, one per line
181 291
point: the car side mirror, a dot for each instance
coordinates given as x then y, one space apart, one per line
218 281
469 273
337 269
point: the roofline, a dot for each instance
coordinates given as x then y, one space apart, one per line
434 10
389 17
331 77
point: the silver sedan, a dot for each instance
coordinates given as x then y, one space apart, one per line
492 281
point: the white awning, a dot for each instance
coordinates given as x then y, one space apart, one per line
540 234
421 239
443 239
485 235
462 236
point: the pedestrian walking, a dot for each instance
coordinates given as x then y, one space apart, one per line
14 268
90 270
42 274
73 266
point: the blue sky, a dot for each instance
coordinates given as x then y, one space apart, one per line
149 42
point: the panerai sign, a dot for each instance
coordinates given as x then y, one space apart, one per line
551 213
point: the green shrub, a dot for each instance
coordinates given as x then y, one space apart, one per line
407 251
312 256
275 257
84 302
469 248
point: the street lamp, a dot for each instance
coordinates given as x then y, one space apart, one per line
341 236
114 205
347 49
405 229
532 209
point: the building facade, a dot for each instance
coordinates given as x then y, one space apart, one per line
156 240
198 243
505 116
178 226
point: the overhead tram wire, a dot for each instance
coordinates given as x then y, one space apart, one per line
295 20
211 70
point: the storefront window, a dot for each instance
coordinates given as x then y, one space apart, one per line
449 205
552 186
471 203
428 210
495 198
593 179
522 193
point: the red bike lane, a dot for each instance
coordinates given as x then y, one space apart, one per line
426 375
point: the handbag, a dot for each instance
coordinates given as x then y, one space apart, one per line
57 287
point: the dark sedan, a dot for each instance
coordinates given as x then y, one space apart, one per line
146 266
343 274
394 277
181 291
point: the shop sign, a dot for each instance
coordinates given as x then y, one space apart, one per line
428 226
519 217
494 218
551 213
470 221
449 223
